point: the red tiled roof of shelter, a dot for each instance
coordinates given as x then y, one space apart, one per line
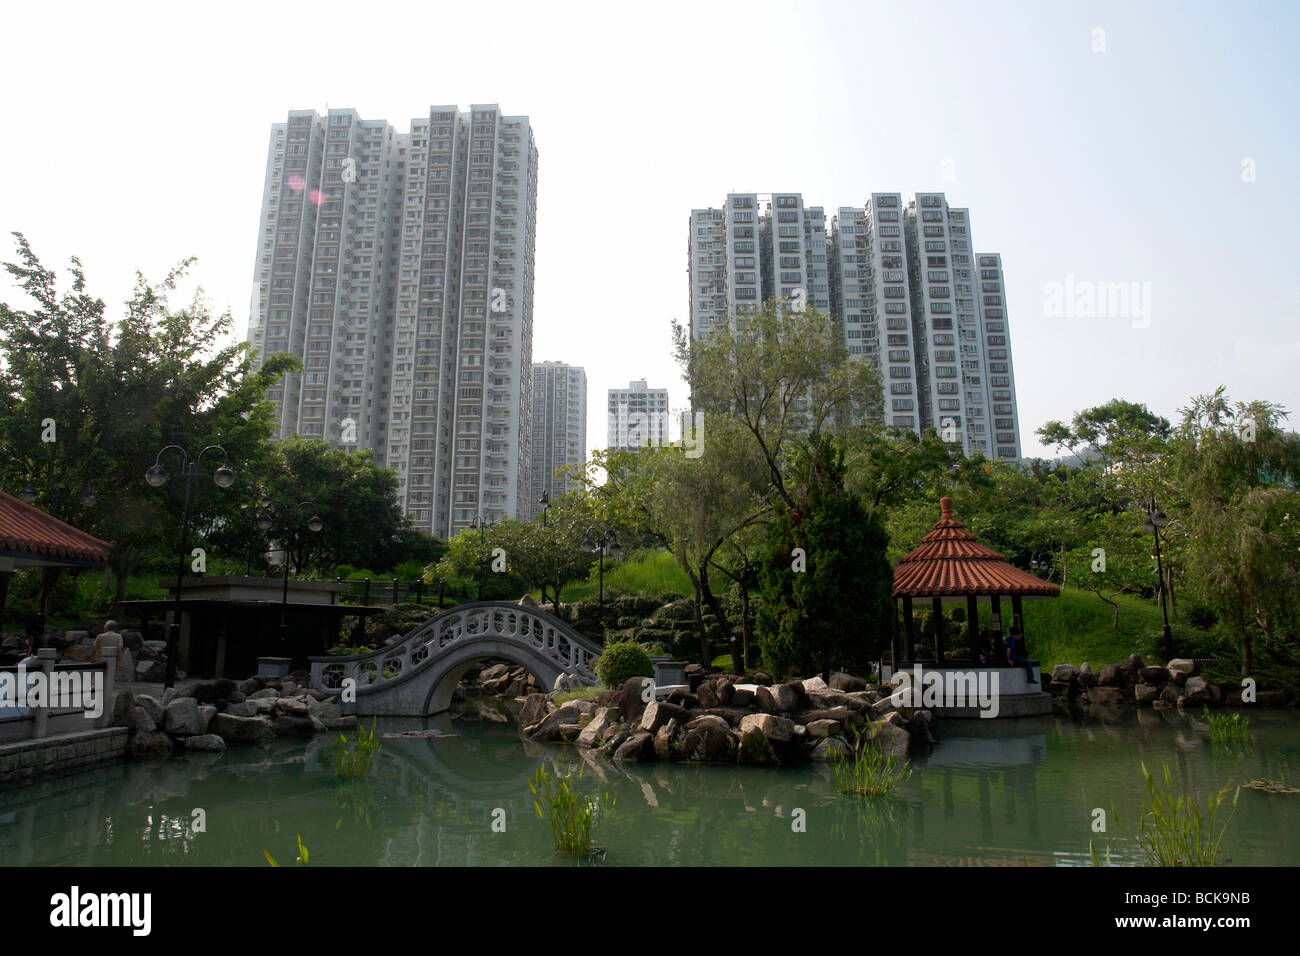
29 532
951 562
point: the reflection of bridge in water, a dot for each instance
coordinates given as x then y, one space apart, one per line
417 675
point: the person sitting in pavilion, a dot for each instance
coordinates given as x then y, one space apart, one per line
1015 645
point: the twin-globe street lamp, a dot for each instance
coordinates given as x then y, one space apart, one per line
156 476
1155 520
481 524
264 522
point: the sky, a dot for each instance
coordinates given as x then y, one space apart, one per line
1154 145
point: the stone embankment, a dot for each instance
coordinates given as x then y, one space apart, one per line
212 715
1174 685
730 719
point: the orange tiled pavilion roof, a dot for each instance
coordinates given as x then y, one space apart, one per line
27 532
951 562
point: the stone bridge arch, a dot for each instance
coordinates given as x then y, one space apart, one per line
416 675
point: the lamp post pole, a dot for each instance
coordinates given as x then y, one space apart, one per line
264 522
545 502
606 542
1156 520
156 476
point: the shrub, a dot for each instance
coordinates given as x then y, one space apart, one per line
622 660
1201 617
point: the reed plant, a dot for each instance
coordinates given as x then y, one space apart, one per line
353 758
1174 831
571 812
867 772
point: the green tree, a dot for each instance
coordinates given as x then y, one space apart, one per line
111 395
837 610
1237 471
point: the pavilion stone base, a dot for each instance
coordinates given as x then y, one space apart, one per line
1009 705
1016 697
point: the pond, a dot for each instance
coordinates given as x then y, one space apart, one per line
991 793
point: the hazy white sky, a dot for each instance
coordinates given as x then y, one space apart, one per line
136 135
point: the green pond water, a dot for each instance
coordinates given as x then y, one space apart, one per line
991 793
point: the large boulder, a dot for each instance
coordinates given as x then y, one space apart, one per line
205 742
1182 665
754 747
1112 675
149 746
150 672
181 718
241 730
1087 678
214 691
139 722
245 708
657 714
814 684
533 710
830 748
708 743
1065 673
206 713
1145 693
707 695
779 729
1108 697
549 729
667 743
1156 676
123 704
784 698
591 734
292 706
764 700
151 707
845 682
889 738
632 698
288 725
1197 690
638 747
1132 668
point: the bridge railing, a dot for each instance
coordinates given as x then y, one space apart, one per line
541 632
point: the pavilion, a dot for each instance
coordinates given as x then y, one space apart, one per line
30 538
950 565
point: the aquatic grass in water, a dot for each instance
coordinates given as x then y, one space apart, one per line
868 772
353 758
302 854
1173 831
571 812
1232 729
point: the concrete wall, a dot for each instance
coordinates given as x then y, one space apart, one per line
25 759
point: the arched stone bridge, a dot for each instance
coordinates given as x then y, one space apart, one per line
416 676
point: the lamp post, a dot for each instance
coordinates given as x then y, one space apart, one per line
156 476
604 544
264 521
1155 520
482 524
545 502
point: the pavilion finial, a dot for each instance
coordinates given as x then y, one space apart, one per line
945 506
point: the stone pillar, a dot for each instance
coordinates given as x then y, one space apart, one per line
908 629
41 715
936 617
973 626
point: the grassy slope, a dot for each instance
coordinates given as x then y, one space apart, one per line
1074 628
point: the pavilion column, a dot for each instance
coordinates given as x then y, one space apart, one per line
1016 616
973 626
997 623
893 646
908 629
5 577
937 616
